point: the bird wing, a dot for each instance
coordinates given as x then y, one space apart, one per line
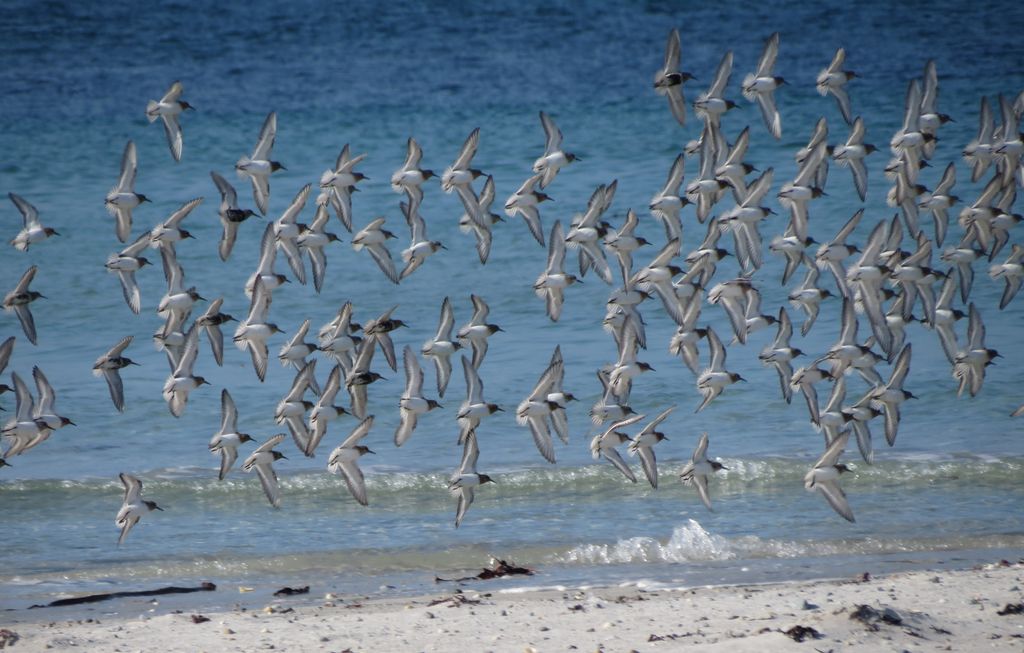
268 132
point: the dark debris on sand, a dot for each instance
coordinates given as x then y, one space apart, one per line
799 633
498 569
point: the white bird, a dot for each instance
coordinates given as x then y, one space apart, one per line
294 352
324 411
668 81
265 269
551 283
981 150
122 198
420 247
833 80
169 109
24 428
182 381
554 158
474 408
340 183
824 477
225 442
643 443
707 189
126 263
170 231
337 340
252 332
1012 271
760 86
525 202
744 219
603 445
133 507
109 365
558 397
312 240
892 394
852 153
179 300
780 354
344 460
410 177
803 380
623 242
667 204
361 376
734 297
657 276
291 410
372 237
286 233
463 483
477 330
587 230
536 408
479 221
19 298
611 405
231 216
711 104
716 378
259 166
939 202
33 231
459 176
684 340
262 460
441 346
697 471
970 363
412 403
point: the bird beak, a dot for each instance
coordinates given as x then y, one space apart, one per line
284 456
371 451
159 508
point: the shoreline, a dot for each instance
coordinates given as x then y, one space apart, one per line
923 610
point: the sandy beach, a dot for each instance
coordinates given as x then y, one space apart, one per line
976 609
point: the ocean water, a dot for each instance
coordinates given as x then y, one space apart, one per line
75 81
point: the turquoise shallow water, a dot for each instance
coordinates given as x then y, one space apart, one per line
75 82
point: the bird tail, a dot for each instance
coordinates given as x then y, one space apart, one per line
152 110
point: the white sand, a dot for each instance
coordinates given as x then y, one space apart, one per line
945 610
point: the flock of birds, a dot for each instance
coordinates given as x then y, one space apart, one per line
878 278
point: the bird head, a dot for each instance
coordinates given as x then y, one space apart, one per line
152 505
275 166
484 478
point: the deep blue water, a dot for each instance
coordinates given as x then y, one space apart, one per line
75 80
